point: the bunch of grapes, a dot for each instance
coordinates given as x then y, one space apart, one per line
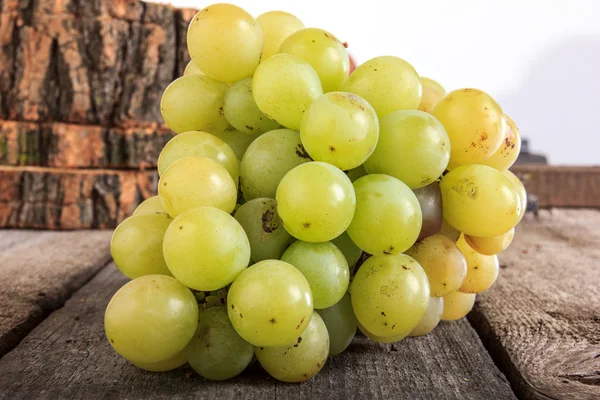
300 202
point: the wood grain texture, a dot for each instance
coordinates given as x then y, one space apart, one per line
541 320
68 356
39 271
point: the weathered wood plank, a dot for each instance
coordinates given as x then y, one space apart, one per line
39 271
541 320
68 357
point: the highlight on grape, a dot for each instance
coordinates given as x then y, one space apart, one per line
303 200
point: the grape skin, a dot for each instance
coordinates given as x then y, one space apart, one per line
482 270
242 112
169 364
431 319
237 140
492 245
520 190
457 305
430 200
433 92
151 205
508 152
192 68
341 325
350 250
276 26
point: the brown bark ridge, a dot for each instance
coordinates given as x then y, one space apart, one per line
55 198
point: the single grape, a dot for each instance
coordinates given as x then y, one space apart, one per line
380 339
268 159
268 238
388 83
194 102
433 92
388 215
521 192
356 173
350 250
225 42
449 231
276 26
192 68
491 245
196 181
431 318
479 200
443 262
270 304
237 140
151 319
206 248
316 202
431 83
216 351
324 52
152 205
341 129
430 200
341 325
300 361
166 365
390 295
509 150
242 112
457 305
482 271
324 267
284 86
136 245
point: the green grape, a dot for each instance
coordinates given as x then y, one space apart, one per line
430 83
270 304
300 361
482 270
316 202
457 305
520 190
284 86
151 319
479 200
430 200
431 319
276 26
341 129
136 245
237 140
206 248
491 245
324 52
194 103
508 152
390 295
201 144
341 325
216 351
268 159
433 92
356 173
225 42
196 181
192 68
449 231
413 147
388 215
380 339
324 267
475 124
388 83
165 365
268 238
242 112
350 250
152 205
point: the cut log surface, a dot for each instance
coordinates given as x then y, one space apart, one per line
541 320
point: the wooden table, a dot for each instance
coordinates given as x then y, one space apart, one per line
535 334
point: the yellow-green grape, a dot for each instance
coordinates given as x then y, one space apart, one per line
284 86
431 83
443 262
316 202
431 319
194 103
432 94
169 364
324 267
216 351
509 150
475 124
192 182
479 200
388 216
491 245
413 147
270 304
457 305
268 159
380 339
192 68
341 325
449 231
350 250
276 26
388 83
268 238
341 129
482 270
521 192
390 295
356 173
225 42
201 144
136 245
324 52
301 360
206 248
152 205
237 140
151 319
242 112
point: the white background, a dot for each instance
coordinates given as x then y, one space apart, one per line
539 59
